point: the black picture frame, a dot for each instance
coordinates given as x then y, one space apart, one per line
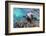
6 18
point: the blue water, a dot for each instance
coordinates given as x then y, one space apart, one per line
18 13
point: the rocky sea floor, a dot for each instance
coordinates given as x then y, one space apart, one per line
25 24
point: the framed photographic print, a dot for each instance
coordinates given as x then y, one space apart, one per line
24 17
